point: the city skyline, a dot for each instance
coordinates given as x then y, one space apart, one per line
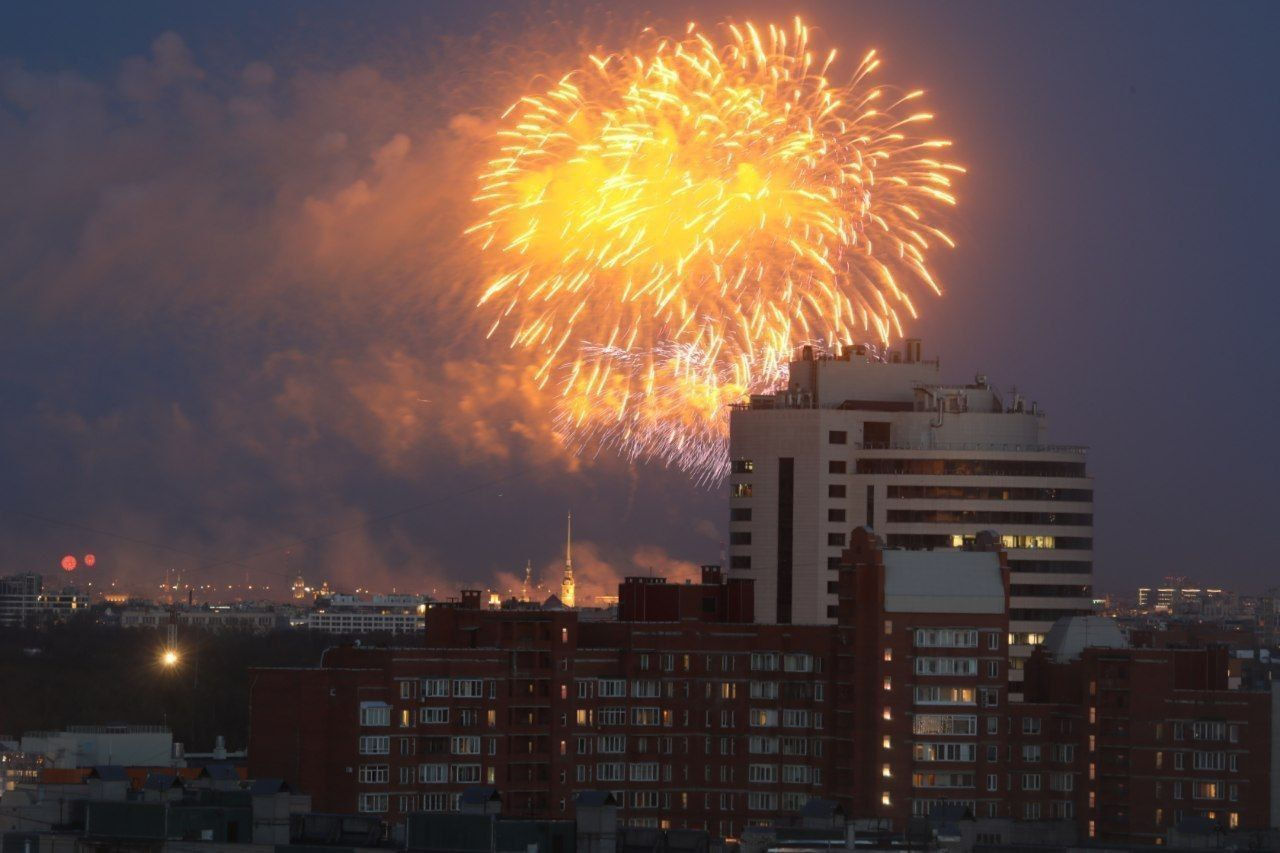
229 398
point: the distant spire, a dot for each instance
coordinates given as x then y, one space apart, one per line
528 579
566 585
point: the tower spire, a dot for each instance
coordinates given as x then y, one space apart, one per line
528 579
566 585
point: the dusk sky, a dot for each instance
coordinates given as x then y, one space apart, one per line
235 299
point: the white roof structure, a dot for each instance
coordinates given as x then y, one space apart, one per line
943 582
1071 635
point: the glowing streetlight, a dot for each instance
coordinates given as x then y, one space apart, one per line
169 658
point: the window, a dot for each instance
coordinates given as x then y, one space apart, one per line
767 661
1207 790
934 695
762 773
760 801
993 667
407 689
945 751
742 466
944 724
1062 781
836 466
759 745
1209 761
740 490
646 689
1031 753
763 717
993 641
1179 760
764 690
796 774
1031 811
797 663
612 743
835 491
947 638
375 714
993 782
468 688
795 746
646 772
374 803
375 745
835 539
740 513
795 718
946 666
837 436
1031 725
1031 781
644 799
466 745
428 716
466 772
740 537
942 780
612 688
1208 731
613 771
372 774
433 774
645 717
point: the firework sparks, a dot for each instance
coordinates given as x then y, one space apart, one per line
668 224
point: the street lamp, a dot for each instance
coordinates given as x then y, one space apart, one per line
169 658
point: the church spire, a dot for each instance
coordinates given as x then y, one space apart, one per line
566 585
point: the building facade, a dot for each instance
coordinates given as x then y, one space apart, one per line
691 718
862 440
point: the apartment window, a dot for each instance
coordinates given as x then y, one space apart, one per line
742 466
935 695
740 490
764 690
1031 725
758 801
835 515
1031 811
946 666
950 638
993 667
1209 761
797 662
795 718
468 688
993 641
1031 781
1031 753
836 491
375 745
837 436
433 774
836 466
760 745
646 689
993 725
431 716
993 782
761 773
466 772
374 714
612 688
645 772
612 743
644 799
407 689
372 774
740 513
1178 731
1179 761
763 717
835 539
374 803
1207 790
945 751
1208 731
766 661
740 537
466 745
944 724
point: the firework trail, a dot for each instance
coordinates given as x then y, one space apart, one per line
669 222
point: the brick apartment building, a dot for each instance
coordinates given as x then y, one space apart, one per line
695 716
692 714
1130 742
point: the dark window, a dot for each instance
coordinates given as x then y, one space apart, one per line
836 466
1061 567
990 493
838 436
833 610
835 539
835 515
875 434
971 467
739 561
833 586
740 513
743 466
786 512
833 563
969 516
740 537
835 491
871 506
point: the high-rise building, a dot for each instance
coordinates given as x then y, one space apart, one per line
878 440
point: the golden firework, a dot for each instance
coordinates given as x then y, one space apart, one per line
669 222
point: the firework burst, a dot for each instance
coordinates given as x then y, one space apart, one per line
669 222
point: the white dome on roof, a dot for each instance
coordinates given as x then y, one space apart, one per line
1071 635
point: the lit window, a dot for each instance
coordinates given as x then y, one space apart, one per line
884 799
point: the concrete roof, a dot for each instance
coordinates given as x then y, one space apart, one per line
943 582
1071 635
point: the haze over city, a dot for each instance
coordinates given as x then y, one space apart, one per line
236 301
